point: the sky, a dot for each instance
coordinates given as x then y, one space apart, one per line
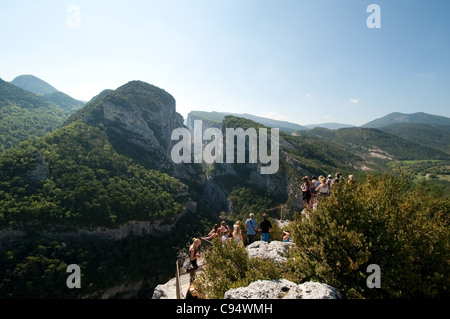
305 62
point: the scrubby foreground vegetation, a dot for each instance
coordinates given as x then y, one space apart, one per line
388 220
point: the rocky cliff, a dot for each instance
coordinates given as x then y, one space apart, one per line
139 118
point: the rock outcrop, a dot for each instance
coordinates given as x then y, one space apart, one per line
39 170
266 289
283 289
315 290
275 250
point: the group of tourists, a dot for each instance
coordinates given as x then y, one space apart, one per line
225 234
316 188
313 190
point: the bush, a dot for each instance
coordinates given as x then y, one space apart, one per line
386 221
228 267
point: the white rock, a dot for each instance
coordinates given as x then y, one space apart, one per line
275 250
315 290
266 289
283 289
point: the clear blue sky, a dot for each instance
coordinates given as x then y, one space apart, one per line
302 61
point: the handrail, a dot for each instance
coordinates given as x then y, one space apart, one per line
178 291
281 210
177 281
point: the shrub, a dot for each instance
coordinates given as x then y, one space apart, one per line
228 266
386 221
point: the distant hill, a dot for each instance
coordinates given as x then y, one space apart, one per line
33 84
431 135
330 126
374 144
25 115
394 118
64 101
215 118
284 126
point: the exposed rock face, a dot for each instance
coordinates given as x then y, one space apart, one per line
139 118
147 123
166 291
315 290
283 289
40 170
275 250
266 289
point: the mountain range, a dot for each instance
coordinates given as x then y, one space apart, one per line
414 118
429 130
99 187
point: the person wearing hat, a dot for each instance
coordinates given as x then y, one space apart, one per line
329 181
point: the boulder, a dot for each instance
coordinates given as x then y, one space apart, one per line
275 250
315 290
266 289
283 289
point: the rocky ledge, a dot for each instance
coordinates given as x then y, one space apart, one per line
283 289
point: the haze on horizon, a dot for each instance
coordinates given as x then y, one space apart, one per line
304 62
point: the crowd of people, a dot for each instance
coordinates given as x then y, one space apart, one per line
225 234
316 188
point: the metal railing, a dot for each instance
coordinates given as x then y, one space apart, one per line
180 262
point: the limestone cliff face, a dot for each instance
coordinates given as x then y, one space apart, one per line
40 170
130 228
139 119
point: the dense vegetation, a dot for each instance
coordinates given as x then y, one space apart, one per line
228 267
89 183
35 266
25 115
431 135
365 141
387 221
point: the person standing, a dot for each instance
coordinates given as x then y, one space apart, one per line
306 191
251 227
323 189
194 254
266 228
237 236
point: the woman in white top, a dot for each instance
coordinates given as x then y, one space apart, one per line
323 189
237 236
